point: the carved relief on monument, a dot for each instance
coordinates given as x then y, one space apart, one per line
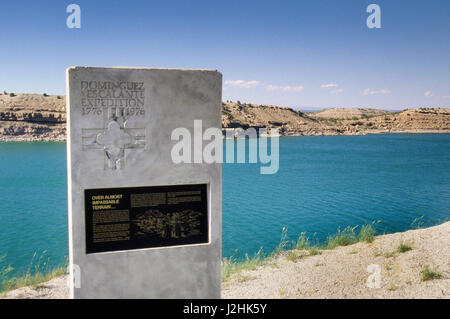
116 102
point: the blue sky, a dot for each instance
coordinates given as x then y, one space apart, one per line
291 53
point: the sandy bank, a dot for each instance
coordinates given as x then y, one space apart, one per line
342 272
338 273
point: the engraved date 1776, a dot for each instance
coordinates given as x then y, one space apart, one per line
126 111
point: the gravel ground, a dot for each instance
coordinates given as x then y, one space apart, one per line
56 288
338 273
342 272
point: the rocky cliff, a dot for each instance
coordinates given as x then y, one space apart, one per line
336 121
33 117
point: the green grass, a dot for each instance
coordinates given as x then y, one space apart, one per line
284 242
31 280
344 237
349 236
292 256
367 233
403 247
303 242
392 288
389 254
231 266
283 293
428 274
417 223
38 271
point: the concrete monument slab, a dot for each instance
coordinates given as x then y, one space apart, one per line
140 225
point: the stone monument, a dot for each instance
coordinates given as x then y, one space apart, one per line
141 225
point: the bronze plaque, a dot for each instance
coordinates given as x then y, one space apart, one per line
144 217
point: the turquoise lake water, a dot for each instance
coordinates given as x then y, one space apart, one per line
323 183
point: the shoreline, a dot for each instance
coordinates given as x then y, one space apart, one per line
411 264
340 272
34 117
27 139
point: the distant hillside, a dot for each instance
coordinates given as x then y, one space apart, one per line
347 113
34 117
355 122
414 121
287 120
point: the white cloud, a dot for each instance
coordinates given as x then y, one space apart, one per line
288 88
329 85
428 93
243 84
269 87
337 91
373 92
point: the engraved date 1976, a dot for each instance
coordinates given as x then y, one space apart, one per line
126 111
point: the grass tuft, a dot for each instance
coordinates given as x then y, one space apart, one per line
342 238
389 254
428 274
28 280
284 242
345 237
38 271
367 233
392 288
303 242
403 247
231 266
292 256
